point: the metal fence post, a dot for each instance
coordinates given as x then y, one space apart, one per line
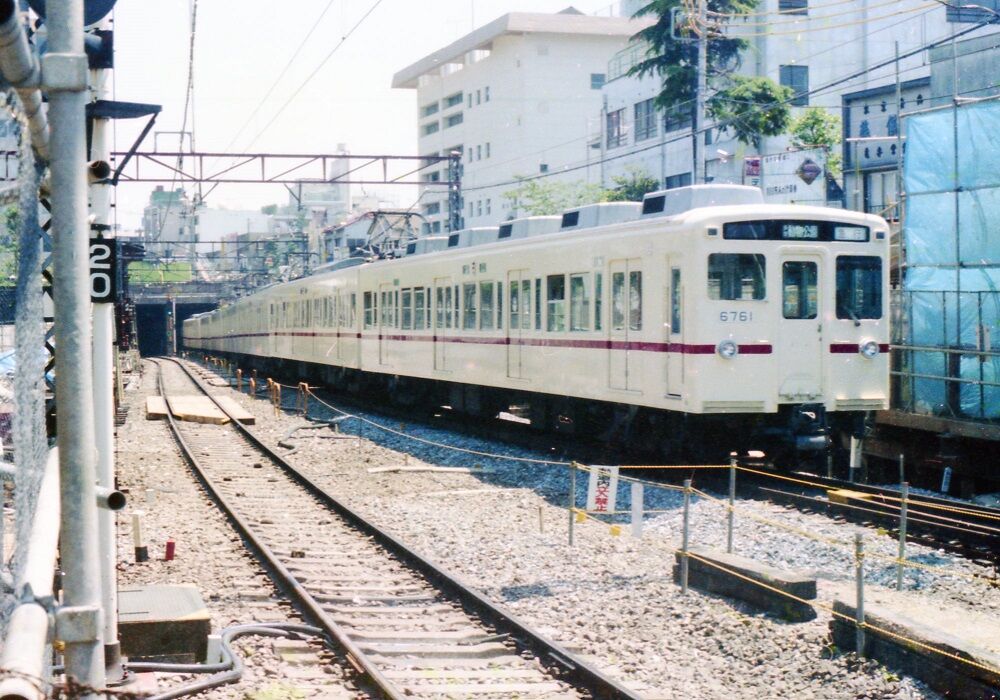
904 498
684 536
730 516
855 459
572 500
859 608
902 468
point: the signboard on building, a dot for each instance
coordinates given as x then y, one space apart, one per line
790 177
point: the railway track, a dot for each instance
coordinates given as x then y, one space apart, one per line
974 533
410 628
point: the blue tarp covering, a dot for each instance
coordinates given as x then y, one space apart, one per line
952 239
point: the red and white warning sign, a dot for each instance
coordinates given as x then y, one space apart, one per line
602 489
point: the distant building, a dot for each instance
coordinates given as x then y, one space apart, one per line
516 97
168 223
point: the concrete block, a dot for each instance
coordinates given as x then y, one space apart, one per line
197 409
721 579
163 623
951 677
156 408
236 411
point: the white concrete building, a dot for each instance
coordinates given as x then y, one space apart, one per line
517 97
807 48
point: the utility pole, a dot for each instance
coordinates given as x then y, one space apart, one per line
104 378
701 88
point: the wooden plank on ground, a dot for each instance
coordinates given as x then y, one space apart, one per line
196 409
236 411
446 470
156 408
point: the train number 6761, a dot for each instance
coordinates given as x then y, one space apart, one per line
736 316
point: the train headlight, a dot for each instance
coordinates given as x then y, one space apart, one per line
869 349
727 349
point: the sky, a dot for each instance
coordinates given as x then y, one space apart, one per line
242 47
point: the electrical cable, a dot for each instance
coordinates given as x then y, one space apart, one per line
687 136
801 17
312 75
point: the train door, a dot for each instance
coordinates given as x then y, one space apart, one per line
626 322
675 328
800 335
386 320
519 312
443 320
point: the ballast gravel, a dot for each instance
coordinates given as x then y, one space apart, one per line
503 528
210 555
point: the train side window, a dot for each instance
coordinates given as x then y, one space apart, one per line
469 307
736 276
555 298
538 303
499 305
486 306
525 305
439 308
635 301
369 310
618 301
675 300
598 293
859 287
420 298
798 289
448 308
579 303
354 309
458 310
515 306
407 310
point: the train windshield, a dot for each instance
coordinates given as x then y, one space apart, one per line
785 230
859 287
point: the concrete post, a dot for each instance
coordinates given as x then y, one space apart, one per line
684 536
903 503
859 580
79 623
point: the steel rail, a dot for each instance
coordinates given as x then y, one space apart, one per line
279 571
574 670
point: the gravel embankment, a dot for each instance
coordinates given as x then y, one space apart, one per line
503 529
210 555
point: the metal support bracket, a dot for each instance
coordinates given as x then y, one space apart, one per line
79 624
64 72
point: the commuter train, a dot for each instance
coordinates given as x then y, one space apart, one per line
700 317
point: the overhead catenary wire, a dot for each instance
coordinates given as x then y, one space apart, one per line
315 71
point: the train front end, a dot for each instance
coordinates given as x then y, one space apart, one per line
794 302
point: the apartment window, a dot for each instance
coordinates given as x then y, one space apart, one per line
432 208
645 120
479 97
797 78
673 181
436 227
486 94
488 207
597 80
471 210
479 152
487 149
432 128
676 118
434 176
452 100
793 7
616 128
543 167
469 103
429 109
453 120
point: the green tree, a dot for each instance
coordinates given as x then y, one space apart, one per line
817 128
751 107
9 236
537 197
631 186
